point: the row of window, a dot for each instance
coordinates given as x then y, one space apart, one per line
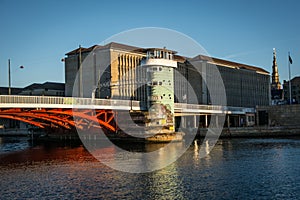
156 97
160 54
157 83
154 69
130 61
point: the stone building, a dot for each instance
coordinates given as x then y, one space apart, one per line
14 91
37 89
108 71
44 89
245 85
116 71
295 88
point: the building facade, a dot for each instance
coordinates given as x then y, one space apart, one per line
44 89
117 71
108 72
37 89
245 85
14 91
295 89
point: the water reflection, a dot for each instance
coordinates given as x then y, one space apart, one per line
196 150
45 151
166 184
137 157
8 144
234 169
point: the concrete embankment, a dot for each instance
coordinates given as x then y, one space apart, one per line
236 132
279 131
14 132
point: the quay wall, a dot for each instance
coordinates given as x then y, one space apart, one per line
279 115
253 132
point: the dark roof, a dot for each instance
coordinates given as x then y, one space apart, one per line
180 58
14 91
46 85
221 62
115 45
216 61
295 80
112 45
82 49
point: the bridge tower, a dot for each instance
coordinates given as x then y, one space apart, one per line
159 65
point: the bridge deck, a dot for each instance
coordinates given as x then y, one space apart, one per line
13 101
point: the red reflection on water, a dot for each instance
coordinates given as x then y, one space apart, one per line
47 154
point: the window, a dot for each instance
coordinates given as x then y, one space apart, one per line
158 54
150 54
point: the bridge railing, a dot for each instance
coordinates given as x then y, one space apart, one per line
14 99
197 107
75 101
213 108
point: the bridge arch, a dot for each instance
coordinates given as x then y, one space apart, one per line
63 118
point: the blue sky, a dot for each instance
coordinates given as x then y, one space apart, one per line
36 34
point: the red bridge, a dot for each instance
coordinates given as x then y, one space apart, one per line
65 112
87 113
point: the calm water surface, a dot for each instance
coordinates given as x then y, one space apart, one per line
235 169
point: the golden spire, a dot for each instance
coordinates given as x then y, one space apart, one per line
275 76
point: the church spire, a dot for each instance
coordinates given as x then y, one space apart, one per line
275 76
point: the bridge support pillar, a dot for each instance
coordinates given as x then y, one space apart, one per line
183 122
191 121
195 121
228 121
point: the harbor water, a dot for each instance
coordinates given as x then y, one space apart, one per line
244 168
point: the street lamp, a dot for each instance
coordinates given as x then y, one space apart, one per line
9 77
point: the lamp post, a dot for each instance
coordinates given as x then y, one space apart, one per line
80 73
290 84
9 78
